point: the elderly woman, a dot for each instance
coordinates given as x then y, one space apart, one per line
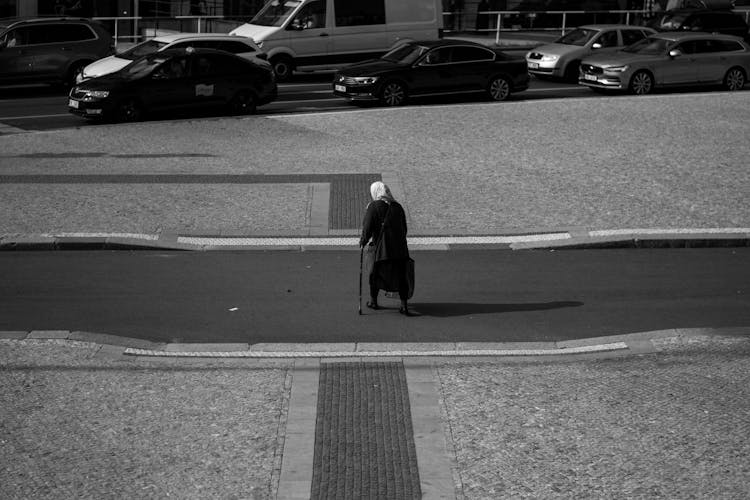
384 227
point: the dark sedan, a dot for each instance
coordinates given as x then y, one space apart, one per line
172 80
432 68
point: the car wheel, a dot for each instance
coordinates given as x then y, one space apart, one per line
283 67
73 72
498 89
734 79
243 103
642 83
393 94
128 110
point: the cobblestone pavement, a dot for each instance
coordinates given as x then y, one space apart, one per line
593 163
73 426
672 424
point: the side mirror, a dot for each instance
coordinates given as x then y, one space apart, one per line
675 53
597 45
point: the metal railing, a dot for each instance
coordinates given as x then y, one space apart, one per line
553 20
454 22
140 28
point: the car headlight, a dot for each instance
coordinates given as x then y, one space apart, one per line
549 58
618 69
96 94
365 80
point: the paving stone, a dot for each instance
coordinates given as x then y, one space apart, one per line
198 347
13 335
49 334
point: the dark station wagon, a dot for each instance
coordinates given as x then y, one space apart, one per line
441 67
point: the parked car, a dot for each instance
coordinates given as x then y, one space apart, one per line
670 59
50 50
706 20
175 79
561 58
432 68
240 45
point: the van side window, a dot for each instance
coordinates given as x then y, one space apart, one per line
311 16
359 13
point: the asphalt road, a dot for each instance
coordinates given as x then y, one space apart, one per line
40 107
461 295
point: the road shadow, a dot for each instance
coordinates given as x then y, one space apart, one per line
449 309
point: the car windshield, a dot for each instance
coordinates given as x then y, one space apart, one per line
672 21
652 46
142 67
577 37
405 54
142 49
275 12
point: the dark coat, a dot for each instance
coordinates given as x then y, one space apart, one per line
394 242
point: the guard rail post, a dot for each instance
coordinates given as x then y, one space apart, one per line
497 28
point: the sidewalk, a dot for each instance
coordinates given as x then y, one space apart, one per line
667 417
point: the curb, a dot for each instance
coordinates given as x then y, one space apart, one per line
126 347
563 238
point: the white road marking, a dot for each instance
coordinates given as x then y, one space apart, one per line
614 346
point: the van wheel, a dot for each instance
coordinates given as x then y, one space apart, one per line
393 94
734 79
128 110
498 89
243 103
641 84
283 67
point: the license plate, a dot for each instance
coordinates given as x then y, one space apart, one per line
590 77
340 88
72 103
533 65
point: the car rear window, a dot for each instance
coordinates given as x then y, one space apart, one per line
467 54
51 33
142 49
729 45
70 33
631 36
226 45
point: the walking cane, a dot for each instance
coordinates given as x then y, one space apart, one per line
361 253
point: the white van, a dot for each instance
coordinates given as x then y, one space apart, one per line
308 35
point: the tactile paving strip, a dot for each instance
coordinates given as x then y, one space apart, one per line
364 443
350 193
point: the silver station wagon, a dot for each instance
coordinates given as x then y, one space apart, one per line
670 60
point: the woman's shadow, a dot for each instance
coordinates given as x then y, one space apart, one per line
448 309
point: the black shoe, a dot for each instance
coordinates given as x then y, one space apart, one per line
373 305
405 311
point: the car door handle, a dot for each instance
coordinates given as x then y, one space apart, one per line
324 34
66 49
